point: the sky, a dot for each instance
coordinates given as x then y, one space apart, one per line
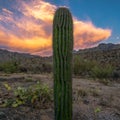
26 25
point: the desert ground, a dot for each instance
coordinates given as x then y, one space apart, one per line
92 99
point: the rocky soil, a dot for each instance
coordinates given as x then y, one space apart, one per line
92 100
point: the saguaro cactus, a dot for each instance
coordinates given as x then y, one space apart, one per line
62 63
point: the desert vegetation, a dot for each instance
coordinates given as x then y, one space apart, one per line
81 67
93 69
28 92
30 96
36 96
29 66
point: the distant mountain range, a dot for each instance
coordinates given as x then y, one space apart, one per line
100 47
6 55
103 53
23 62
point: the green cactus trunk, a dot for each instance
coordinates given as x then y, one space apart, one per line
62 63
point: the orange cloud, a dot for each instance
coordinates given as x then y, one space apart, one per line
88 35
32 31
39 9
25 45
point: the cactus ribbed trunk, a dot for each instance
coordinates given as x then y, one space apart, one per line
62 63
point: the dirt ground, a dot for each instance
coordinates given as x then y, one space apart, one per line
92 100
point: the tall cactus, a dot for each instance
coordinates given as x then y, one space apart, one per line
62 63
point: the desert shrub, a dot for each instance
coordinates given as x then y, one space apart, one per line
105 81
94 92
116 74
35 68
9 67
46 67
22 69
37 95
82 66
82 93
101 72
79 67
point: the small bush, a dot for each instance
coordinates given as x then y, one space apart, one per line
101 72
105 81
82 93
92 69
116 74
82 66
95 92
9 67
36 96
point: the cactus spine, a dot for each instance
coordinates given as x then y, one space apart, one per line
62 63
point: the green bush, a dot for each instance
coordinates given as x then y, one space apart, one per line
25 67
101 72
92 69
37 95
9 67
82 66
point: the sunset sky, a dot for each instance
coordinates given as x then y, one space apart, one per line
26 25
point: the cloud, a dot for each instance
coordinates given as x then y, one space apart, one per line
7 11
28 33
39 10
31 30
88 35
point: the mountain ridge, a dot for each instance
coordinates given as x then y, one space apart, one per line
102 54
100 47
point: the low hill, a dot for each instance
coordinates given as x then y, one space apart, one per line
23 62
103 54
